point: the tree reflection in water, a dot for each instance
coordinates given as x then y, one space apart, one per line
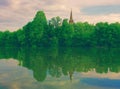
64 61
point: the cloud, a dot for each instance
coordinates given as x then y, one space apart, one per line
16 13
99 10
4 2
93 19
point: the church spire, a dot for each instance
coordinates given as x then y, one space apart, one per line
71 18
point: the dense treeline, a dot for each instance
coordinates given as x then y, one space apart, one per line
58 32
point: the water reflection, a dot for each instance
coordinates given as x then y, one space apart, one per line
64 61
110 83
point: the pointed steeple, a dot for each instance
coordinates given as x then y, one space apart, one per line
71 18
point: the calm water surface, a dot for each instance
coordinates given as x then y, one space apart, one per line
59 68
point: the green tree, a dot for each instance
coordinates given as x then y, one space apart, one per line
83 33
66 33
101 35
34 30
55 22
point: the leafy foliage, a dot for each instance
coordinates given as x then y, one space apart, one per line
58 32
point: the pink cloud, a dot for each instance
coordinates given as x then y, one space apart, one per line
19 12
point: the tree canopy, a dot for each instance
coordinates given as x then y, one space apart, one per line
41 32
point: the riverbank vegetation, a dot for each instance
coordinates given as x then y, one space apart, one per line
58 32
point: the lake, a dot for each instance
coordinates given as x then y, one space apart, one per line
59 68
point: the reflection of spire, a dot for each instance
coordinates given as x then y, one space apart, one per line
70 74
71 18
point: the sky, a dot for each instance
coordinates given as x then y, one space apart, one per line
14 14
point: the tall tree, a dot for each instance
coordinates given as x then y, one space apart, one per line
55 22
66 33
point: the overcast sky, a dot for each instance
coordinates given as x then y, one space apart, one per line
16 13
